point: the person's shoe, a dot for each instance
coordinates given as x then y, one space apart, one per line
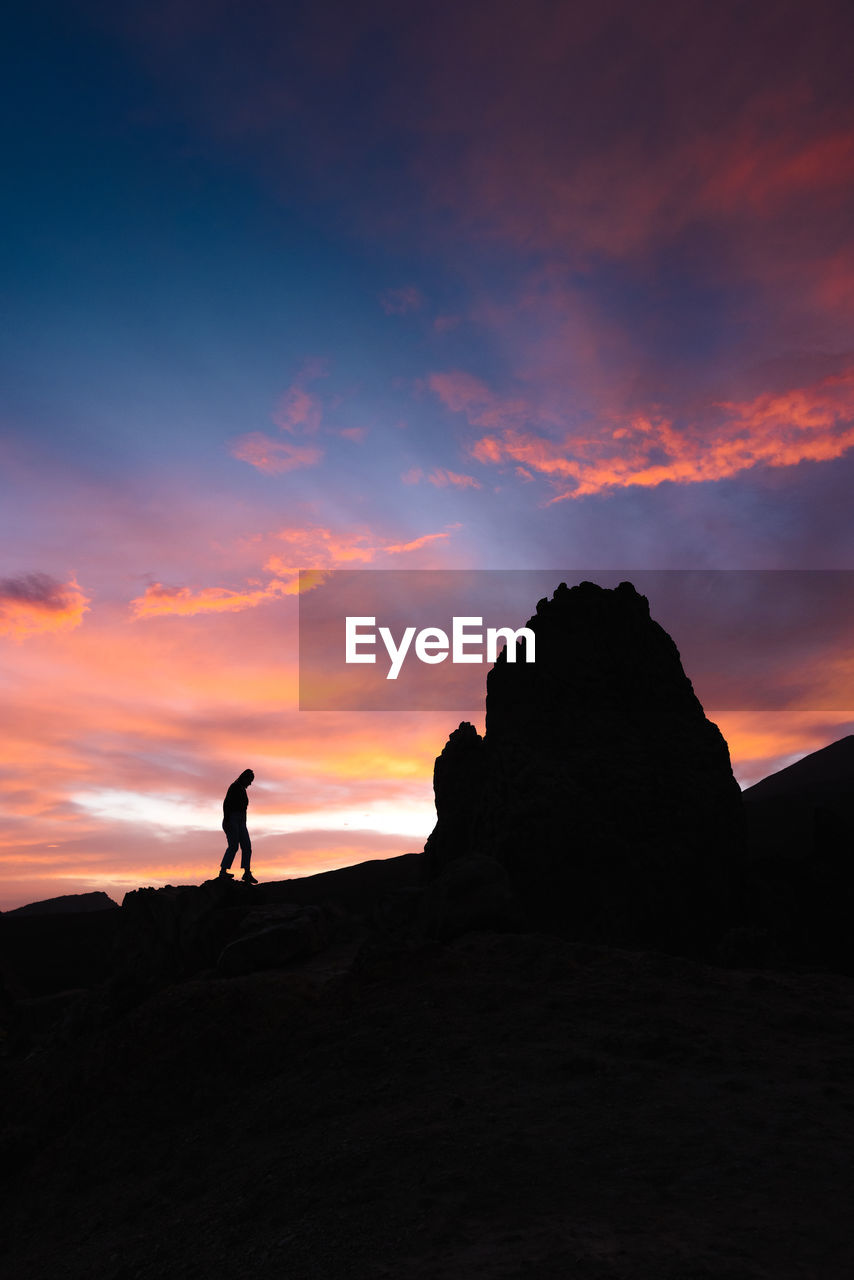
225 875
248 878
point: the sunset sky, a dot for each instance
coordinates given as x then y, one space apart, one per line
460 285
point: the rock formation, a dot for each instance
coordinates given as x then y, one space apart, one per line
599 786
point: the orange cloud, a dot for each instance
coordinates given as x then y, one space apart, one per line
810 423
309 546
417 543
35 602
274 456
158 600
321 547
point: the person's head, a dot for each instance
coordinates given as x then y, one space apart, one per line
246 778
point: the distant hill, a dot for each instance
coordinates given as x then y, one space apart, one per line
68 904
800 824
803 809
823 777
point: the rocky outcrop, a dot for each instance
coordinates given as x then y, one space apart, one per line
274 936
177 930
599 785
231 928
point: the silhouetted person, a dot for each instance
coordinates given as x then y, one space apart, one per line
234 808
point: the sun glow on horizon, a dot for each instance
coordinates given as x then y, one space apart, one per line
175 815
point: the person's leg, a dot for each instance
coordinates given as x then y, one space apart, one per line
246 856
232 834
245 848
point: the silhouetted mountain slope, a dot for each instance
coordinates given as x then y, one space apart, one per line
600 788
807 809
69 903
58 944
825 778
159 935
801 843
43 954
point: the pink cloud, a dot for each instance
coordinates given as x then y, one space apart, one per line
300 410
440 477
462 393
274 456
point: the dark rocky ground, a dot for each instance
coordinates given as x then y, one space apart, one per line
502 1106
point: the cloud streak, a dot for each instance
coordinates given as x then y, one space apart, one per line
274 457
441 478
159 601
309 547
317 546
813 422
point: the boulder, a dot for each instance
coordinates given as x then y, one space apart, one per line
274 937
177 930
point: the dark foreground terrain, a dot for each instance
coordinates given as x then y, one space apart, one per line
503 1106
